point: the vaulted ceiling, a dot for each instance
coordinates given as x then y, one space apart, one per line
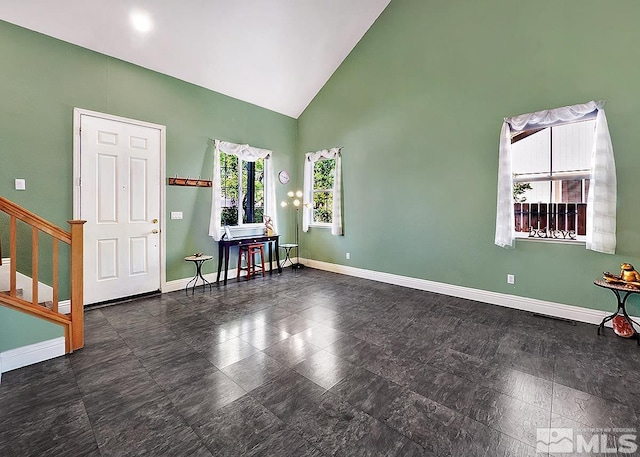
273 53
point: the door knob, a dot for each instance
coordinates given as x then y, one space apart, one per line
154 231
155 221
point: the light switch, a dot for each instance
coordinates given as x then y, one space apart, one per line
20 184
176 214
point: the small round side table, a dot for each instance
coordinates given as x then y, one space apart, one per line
287 253
621 292
198 261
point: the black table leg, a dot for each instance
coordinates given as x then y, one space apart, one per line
220 252
622 302
198 275
278 255
606 319
226 263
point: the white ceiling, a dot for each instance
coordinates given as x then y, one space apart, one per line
273 53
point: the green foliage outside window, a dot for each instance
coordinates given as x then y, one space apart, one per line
323 176
229 174
258 196
519 188
229 184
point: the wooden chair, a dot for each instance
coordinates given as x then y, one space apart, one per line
250 251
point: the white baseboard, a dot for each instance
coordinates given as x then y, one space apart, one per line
64 307
571 312
13 359
5 270
563 311
178 284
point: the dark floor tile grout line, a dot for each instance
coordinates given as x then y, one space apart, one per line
84 408
177 410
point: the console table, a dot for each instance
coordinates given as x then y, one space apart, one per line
225 244
621 292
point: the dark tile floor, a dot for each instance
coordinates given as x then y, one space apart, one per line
312 363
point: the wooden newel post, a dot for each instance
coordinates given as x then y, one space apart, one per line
77 286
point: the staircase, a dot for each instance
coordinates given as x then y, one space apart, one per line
4 278
27 301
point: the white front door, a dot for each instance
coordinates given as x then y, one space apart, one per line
120 200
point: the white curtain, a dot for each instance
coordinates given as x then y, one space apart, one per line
602 200
505 229
248 154
307 214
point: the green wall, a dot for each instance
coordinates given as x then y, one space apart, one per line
18 329
43 79
418 106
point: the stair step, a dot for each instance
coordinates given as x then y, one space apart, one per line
47 304
18 292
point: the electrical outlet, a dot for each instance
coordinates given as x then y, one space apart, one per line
176 214
20 184
348 255
511 279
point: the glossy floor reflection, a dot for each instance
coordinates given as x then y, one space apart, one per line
311 363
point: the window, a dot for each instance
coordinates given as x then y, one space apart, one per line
551 172
323 175
243 190
555 178
242 197
323 190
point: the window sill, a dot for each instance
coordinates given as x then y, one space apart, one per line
320 225
580 240
238 231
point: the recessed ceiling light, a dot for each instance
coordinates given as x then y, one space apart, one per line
141 21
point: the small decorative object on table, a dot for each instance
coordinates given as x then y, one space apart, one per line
268 226
622 327
628 276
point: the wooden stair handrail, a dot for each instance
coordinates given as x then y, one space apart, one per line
74 322
34 220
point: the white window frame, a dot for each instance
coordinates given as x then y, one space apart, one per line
307 211
241 194
314 190
557 178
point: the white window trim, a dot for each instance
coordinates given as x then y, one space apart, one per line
524 236
320 225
